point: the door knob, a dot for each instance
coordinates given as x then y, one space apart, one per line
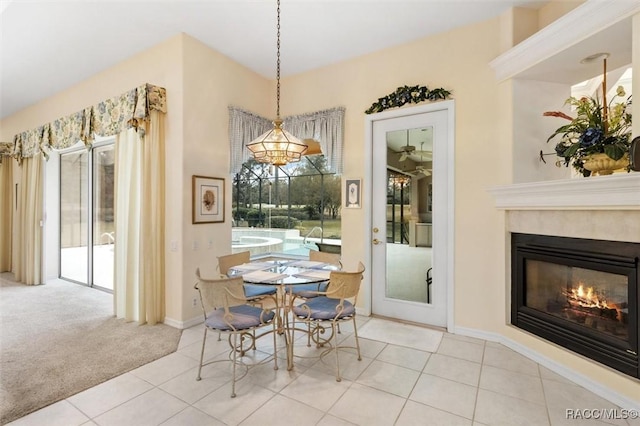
376 241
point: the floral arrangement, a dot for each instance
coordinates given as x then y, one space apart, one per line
406 95
597 128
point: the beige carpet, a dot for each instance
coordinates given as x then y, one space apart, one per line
60 338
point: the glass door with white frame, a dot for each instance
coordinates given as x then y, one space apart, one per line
403 249
87 232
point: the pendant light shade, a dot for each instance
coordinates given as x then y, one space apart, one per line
277 146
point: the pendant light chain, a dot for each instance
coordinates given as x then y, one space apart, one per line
277 146
278 68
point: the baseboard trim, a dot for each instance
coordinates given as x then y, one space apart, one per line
183 324
607 393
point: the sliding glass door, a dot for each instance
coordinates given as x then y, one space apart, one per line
87 230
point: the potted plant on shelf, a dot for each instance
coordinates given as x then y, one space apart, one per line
597 140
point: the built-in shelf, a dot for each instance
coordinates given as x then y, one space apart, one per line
620 191
554 53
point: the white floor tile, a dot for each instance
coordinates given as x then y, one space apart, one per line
405 357
110 394
513 384
563 396
59 414
187 388
192 417
317 389
281 409
190 336
510 360
363 405
456 369
232 411
415 413
460 349
329 420
350 366
389 378
447 395
401 334
497 409
164 369
149 409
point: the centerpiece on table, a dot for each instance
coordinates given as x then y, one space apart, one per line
598 139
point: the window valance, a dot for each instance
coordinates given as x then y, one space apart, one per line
6 150
326 127
106 118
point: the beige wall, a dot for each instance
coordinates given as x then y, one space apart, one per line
457 60
212 82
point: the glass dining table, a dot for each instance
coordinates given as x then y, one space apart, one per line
288 276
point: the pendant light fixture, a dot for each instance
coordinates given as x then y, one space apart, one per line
277 146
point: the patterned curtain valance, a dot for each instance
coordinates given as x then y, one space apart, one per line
6 150
106 118
326 127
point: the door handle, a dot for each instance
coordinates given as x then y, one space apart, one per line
376 241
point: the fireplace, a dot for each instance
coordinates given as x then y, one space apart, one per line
579 293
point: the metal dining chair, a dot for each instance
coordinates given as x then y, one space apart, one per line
227 311
252 291
330 308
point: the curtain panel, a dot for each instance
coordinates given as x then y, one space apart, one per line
6 206
326 127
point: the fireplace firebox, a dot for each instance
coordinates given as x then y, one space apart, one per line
581 294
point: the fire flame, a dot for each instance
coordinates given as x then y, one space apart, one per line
588 298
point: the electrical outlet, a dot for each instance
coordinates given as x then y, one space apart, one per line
195 302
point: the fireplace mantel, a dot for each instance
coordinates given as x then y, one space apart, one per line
620 191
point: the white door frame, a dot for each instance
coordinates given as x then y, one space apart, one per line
443 241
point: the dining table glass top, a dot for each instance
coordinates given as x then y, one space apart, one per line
287 271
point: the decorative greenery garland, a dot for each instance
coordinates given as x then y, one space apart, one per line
407 95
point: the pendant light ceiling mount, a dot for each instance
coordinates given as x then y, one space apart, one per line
277 146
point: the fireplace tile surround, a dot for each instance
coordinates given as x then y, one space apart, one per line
600 208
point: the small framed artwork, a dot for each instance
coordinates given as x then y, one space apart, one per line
208 199
353 193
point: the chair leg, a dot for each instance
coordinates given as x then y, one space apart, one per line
355 333
275 343
335 349
204 340
235 355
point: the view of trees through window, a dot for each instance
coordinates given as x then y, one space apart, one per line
302 198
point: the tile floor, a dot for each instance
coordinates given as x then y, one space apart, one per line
463 381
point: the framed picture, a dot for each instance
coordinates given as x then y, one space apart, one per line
353 193
208 199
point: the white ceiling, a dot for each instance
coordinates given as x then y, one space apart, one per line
47 46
